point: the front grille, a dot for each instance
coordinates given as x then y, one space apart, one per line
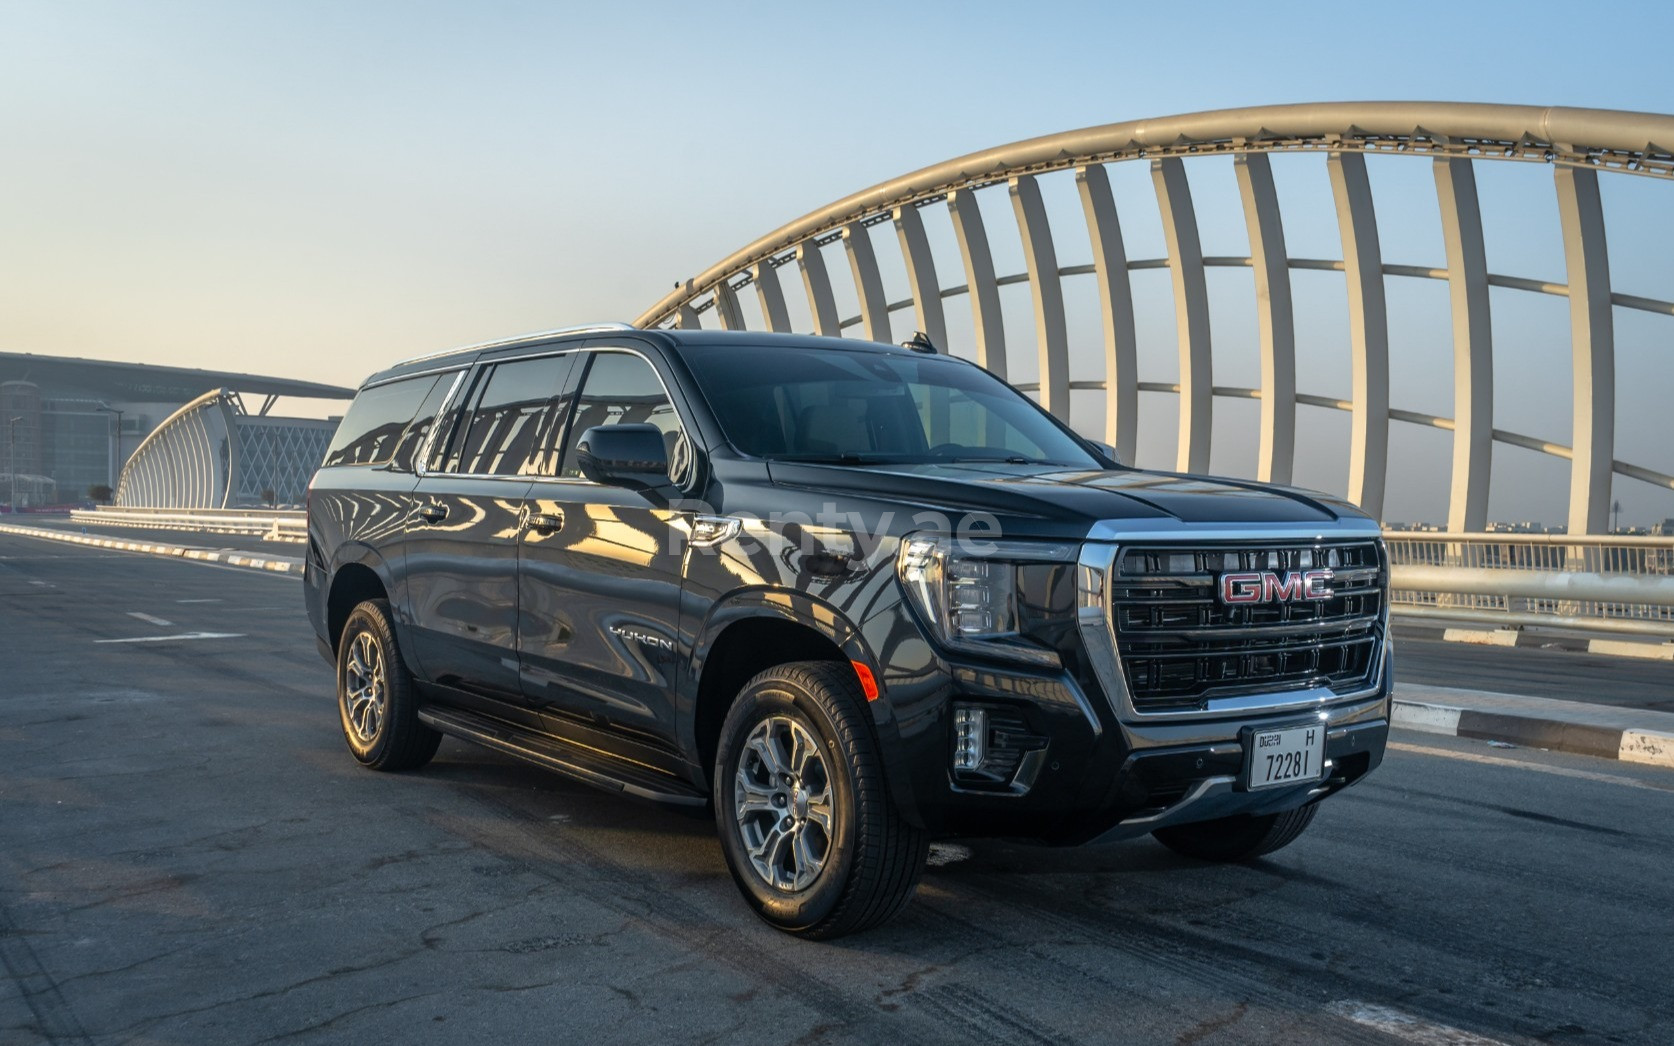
1180 646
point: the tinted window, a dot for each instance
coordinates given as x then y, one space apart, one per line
370 431
621 388
858 407
406 451
513 418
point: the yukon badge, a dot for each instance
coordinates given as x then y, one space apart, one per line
1267 586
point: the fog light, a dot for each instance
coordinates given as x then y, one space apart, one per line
970 738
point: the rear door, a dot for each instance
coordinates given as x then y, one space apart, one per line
600 578
468 511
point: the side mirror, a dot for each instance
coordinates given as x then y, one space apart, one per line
1106 449
631 456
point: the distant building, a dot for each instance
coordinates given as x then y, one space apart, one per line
67 425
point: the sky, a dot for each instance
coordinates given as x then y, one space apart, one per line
318 189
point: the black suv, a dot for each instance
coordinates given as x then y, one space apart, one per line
852 596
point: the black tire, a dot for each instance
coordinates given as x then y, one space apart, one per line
871 859
376 702
1240 838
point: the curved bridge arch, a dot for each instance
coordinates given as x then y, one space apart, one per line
1578 144
186 462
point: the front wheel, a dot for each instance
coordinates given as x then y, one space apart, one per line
806 822
1240 838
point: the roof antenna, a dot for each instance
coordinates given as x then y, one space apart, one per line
920 342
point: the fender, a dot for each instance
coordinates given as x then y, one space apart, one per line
818 616
355 553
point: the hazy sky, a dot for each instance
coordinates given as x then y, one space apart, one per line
318 189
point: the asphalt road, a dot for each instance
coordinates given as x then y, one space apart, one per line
187 854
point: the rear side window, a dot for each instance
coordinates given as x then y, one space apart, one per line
406 452
513 420
372 428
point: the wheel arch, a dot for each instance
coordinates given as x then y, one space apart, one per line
359 575
749 633
753 631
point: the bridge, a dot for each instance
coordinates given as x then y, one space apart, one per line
174 786
923 252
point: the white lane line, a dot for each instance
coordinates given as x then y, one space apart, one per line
197 601
148 619
1560 771
1406 1026
170 639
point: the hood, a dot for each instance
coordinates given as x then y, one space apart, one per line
1051 491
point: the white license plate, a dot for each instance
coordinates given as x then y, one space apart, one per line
1282 757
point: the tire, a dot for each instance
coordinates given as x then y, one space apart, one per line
1241 838
376 701
847 862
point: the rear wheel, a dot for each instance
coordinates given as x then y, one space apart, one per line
1240 838
375 697
806 822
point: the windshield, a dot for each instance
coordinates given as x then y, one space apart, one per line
856 407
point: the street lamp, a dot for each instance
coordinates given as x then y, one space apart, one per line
117 477
11 441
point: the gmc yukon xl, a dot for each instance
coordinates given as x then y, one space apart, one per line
851 597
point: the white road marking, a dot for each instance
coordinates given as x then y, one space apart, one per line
43 584
1406 1026
197 601
170 639
1560 771
148 619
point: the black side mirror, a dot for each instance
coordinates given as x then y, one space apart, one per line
631 456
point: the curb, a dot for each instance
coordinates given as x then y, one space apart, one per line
1533 730
1649 648
271 564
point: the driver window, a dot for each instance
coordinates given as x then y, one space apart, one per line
621 388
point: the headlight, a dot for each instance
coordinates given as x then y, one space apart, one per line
972 600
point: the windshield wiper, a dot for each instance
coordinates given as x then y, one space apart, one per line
827 459
1009 459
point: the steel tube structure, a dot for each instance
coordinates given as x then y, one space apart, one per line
1578 145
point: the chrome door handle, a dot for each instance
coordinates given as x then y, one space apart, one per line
546 522
433 513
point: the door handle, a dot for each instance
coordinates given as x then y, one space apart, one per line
433 513
546 522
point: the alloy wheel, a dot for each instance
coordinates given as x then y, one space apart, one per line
782 801
365 687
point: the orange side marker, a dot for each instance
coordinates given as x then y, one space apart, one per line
868 685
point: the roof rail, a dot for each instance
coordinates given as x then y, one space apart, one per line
581 329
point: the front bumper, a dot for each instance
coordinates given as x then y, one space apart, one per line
1099 779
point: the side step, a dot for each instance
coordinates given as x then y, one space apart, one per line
587 765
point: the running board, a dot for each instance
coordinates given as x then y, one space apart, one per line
587 765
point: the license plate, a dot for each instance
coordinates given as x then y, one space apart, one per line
1282 757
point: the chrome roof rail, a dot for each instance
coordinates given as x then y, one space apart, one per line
585 328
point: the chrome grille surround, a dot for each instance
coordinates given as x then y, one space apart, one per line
1165 649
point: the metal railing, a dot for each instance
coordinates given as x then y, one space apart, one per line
753 287
1606 583
1615 583
272 524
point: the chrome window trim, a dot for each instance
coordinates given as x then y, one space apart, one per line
557 332
1097 563
449 403
380 383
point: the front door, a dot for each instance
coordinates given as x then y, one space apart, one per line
601 573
